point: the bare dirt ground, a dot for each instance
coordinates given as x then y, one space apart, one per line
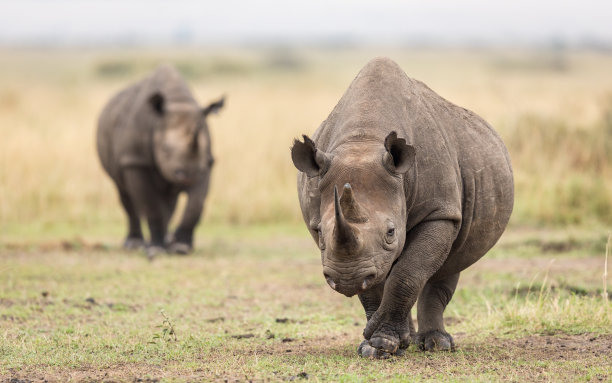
259 311
584 350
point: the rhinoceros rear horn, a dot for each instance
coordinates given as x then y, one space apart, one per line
344 234
349 206
308 159
400 156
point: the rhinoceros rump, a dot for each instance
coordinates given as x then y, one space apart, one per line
154 143
402 190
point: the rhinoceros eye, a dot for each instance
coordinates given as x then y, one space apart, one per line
390 234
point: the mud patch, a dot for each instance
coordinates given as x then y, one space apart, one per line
560 347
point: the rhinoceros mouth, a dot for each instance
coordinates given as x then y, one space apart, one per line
348 293
352 289
351 285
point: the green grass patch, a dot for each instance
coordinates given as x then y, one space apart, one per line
251 304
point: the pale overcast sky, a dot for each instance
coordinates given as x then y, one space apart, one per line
230 21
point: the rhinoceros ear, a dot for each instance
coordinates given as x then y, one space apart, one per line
157 102
308 159
400 156
214 107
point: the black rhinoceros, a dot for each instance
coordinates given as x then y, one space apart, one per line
153 141
401 190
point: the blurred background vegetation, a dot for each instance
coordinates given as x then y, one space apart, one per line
552 106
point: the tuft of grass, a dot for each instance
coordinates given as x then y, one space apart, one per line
166 330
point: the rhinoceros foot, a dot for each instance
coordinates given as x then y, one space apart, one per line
366 351
133 243
179 248
387 337
154 250
435 340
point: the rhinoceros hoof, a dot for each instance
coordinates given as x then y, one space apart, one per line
435 340
133 243
365 350
154 250
179 248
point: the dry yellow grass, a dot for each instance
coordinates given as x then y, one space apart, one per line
554 110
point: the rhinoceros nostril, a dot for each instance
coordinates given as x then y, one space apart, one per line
367 282
330 281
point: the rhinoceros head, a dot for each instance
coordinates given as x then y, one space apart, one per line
181 143
361 223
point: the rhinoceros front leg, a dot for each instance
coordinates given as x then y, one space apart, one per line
182 241
149 202
433 300
134 239
371 300
427 247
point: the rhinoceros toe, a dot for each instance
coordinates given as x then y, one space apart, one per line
435 340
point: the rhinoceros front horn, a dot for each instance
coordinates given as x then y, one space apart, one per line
344 234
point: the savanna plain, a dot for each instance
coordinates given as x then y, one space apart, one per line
250 304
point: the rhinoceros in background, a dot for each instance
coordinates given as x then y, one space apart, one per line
153 141
401 190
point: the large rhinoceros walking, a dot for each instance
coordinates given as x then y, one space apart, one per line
153 141
402 190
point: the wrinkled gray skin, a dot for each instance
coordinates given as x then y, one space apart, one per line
402 190
154 143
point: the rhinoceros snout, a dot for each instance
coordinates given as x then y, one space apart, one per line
351 285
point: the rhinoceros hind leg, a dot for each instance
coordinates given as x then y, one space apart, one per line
433 300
